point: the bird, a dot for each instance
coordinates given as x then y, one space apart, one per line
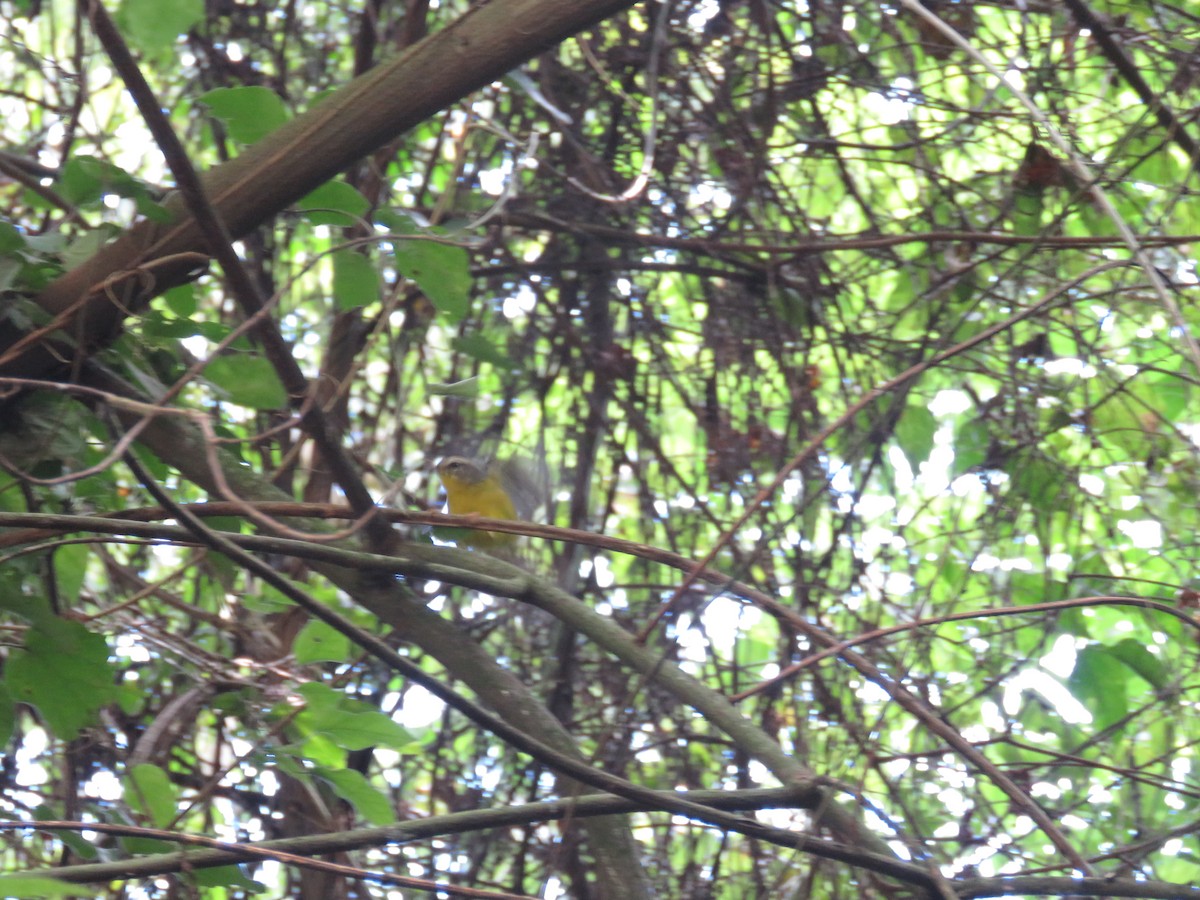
480 489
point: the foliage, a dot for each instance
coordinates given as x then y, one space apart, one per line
888 329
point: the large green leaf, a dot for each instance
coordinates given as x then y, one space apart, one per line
249 113
247 380
154 26
350 724
318 642
38 887
149 791
914 434
1099 683
971 442
355 280
441 270
63 670
334 203
1137 657
354 788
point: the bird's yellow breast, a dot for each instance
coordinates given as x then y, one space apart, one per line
476 489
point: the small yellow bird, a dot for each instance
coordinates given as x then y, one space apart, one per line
479 489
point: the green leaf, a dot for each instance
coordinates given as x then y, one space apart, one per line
1167 395
149 791
37 887
355 281
479 347
350 724
317 642
353 787
70 567
319 698
159 330
7 715
247 380
971 441
53 243
249 113
85 179
1150 668
468 387
1028 209
334 203
11 239
914 433
752 653
78 844
144 846
1099 683
63 670
181 300
226 877
33 607
10 270
313 750
1178 869
87 244
131 698
440 270
153 26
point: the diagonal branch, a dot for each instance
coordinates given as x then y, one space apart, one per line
300 156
